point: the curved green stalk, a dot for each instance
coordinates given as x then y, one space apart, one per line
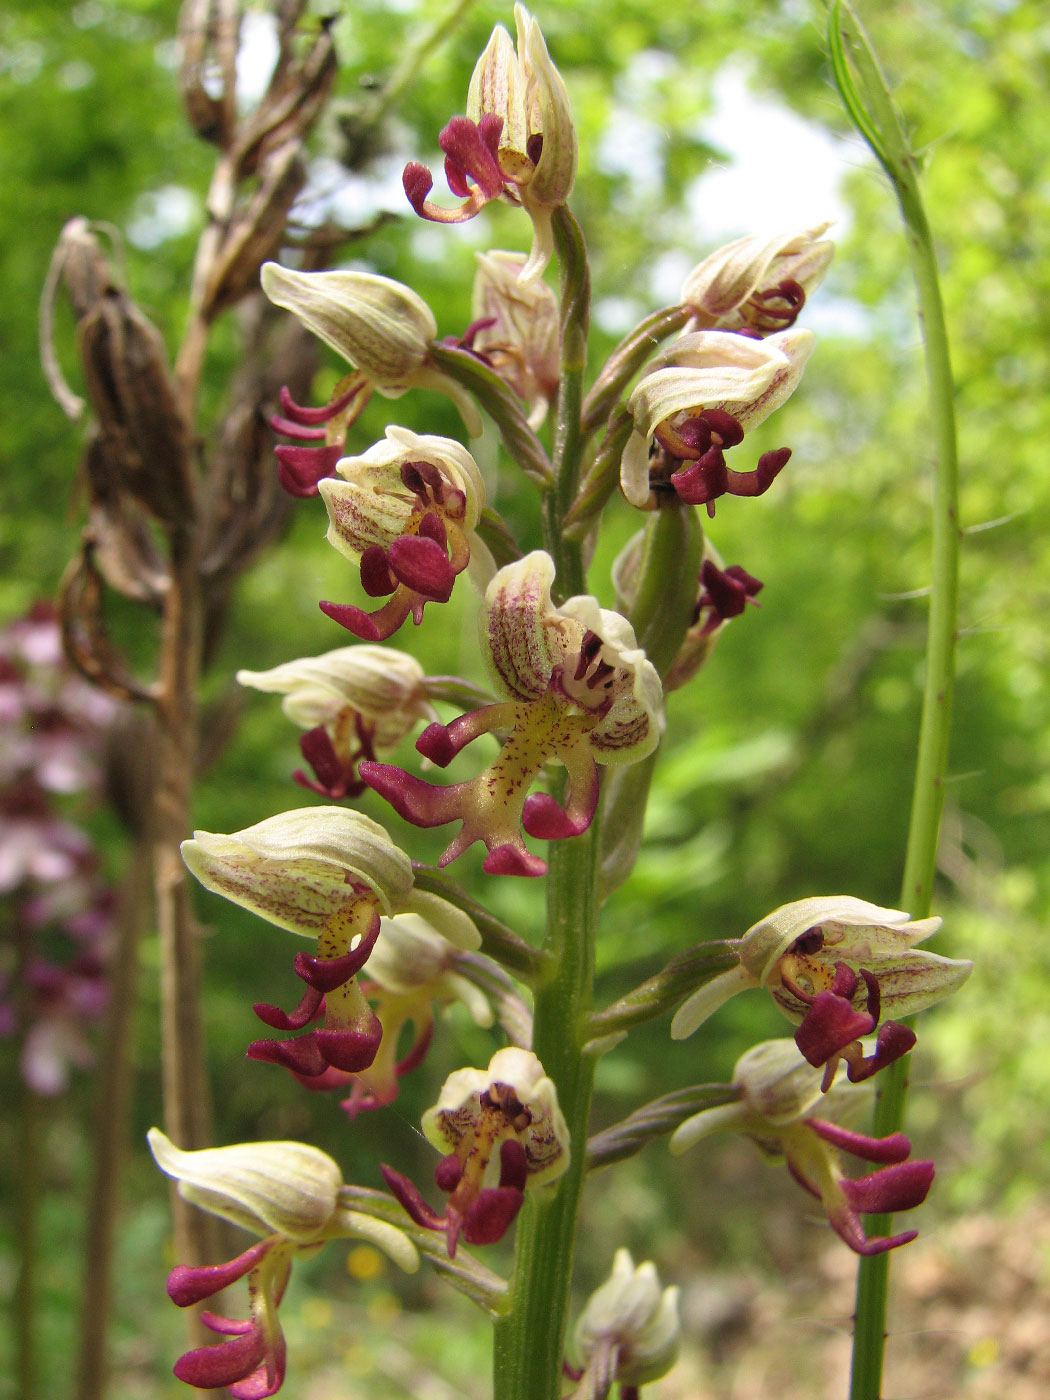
871 108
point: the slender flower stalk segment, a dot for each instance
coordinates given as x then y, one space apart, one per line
579 692
869 100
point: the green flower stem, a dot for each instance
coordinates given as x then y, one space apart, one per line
872 109
601 478
627 359
529 1343
655 1119
568 441
668 579
665 989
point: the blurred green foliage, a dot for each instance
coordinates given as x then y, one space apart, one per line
787 766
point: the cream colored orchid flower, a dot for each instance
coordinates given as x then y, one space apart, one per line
325 873
833 965
406 512
580 692
517 139
289 1193
382 327
501 1131
697 399
353 702
779 1097
758 283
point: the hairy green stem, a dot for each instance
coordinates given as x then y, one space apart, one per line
529 1342
871 107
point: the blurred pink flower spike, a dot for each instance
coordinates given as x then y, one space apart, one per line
778 1090
405 512
580 692
501 1130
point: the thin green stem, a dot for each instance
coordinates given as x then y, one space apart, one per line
871 107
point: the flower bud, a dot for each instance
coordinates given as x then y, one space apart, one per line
522 343
758 282
630 1313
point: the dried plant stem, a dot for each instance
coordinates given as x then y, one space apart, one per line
187 1108
111 1125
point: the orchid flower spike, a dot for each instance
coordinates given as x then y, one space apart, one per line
501 1131
758 284
517 140
778 1092
411 968
384 329
696 400
352 702
289 1193
629 1331
833 965
579 693
406 512
325 873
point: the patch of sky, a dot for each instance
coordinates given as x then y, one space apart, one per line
351 198
257 56
779 171
162 214
75 74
